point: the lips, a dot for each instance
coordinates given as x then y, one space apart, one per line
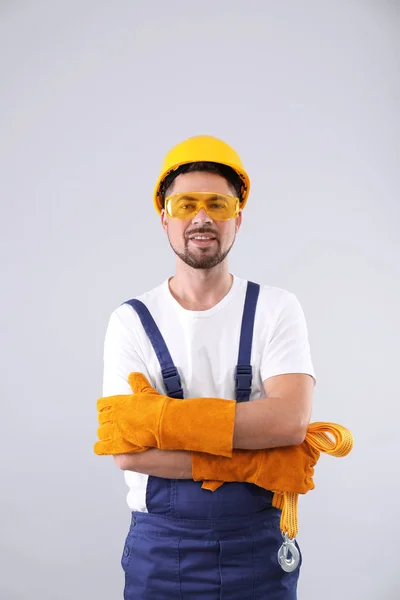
202 242
207 234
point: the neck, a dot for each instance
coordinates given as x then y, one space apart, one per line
198 289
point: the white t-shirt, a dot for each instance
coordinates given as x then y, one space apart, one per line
204 347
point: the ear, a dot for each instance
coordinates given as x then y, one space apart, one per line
239 220
164 220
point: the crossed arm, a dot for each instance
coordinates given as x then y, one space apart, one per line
279 419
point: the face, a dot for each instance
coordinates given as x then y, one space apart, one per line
201 254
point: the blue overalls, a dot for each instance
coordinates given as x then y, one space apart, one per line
194 544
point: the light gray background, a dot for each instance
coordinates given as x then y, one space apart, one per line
93 94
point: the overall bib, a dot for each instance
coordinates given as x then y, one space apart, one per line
194 544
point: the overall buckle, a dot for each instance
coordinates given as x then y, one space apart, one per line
172 382
243 377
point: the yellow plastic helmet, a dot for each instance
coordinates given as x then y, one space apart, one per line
201 148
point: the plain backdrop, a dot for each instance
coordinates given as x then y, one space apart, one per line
92 95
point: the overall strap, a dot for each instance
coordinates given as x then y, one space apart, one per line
169 372
243 371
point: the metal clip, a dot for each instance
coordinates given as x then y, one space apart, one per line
288 564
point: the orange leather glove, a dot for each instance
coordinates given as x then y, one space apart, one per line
148 419
284 469
112 443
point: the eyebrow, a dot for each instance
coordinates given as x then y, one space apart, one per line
187 196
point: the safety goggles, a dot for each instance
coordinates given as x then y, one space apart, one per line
185 206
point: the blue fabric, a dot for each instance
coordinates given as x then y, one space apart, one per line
197 544
243 372
200 559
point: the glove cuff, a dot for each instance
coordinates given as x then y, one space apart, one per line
198 424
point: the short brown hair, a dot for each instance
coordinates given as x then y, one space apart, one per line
206 167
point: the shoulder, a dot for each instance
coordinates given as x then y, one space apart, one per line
276 299
273 294
278 307
124 317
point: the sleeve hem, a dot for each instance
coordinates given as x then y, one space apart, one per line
283 371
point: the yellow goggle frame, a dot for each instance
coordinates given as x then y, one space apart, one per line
186 205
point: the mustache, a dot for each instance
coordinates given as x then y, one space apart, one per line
202 231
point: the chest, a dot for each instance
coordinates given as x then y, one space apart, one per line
205 352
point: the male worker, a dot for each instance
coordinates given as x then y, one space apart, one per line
209 341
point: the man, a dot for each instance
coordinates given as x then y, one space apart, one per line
230 363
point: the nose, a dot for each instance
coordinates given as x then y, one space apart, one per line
201 218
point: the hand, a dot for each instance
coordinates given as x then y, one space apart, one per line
111 441
116 436
285 469
148 419
111 437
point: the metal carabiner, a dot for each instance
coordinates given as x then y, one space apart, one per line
288 564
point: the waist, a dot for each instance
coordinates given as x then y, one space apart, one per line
186 499
205 528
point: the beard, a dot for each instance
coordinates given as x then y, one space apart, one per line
202 258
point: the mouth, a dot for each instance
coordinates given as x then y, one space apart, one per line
202 240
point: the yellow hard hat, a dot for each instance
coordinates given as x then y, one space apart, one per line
201 148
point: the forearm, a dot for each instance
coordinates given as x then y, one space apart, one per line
264 423
268 423
171 464
259 424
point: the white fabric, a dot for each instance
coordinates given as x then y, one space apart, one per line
204 346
